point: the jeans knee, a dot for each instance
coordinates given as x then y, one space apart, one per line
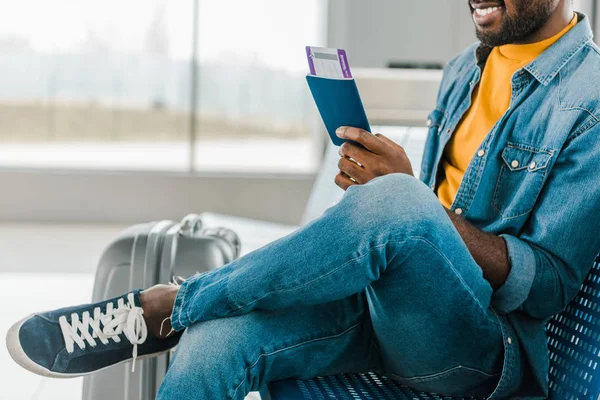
215 357
393 198
206 363
200 352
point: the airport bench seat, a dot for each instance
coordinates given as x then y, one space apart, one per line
573 341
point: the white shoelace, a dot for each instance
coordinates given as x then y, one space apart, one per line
125 319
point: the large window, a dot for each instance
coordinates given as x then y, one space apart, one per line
110 85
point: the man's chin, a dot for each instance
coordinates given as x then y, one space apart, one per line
490 38
491 29
488 32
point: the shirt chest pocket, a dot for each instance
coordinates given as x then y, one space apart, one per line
522 175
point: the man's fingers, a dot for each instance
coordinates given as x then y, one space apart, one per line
352 170
385 139
343 181
366 139
356 153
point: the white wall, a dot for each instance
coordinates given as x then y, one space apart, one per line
376 32
379 31
587 7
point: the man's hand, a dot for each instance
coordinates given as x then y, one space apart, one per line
378 156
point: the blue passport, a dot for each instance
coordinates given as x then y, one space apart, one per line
339 104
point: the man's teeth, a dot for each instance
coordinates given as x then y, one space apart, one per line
486 11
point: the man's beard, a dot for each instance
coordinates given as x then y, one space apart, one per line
529 19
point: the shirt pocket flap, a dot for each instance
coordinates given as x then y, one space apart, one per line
521 157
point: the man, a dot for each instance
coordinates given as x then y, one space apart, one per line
445 293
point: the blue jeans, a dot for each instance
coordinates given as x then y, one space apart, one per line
381 282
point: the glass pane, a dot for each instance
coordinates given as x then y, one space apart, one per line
255 110
88 84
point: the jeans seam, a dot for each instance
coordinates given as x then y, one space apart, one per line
344 265
447 372
289 348
508 362
460 278
467 288
181 309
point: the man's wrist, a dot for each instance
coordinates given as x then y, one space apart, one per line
489 251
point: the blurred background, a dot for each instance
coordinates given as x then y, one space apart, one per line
119 112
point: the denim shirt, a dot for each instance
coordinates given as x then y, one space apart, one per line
536 182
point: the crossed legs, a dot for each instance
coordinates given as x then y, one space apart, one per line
381 282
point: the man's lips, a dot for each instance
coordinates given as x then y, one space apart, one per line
485 4
487 13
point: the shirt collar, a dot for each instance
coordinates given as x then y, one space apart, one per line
550 63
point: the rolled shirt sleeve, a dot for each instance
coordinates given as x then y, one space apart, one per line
553 254
516 289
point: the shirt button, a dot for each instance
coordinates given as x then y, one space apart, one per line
481 153
429 122
448 131
471 84
509 340
458 211
532 165
515 164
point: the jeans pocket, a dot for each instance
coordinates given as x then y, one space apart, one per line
456 381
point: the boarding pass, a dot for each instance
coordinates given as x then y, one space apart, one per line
328 63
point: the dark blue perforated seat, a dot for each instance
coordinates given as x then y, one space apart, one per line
573 340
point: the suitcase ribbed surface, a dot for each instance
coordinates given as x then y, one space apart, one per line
573 340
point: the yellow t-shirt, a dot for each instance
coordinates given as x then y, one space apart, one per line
490 102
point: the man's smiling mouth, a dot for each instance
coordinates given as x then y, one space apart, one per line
486 12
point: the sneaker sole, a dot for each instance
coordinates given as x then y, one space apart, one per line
20 357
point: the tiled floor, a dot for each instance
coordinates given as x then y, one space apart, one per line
45 267
20 295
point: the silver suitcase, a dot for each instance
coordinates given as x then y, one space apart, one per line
142 256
